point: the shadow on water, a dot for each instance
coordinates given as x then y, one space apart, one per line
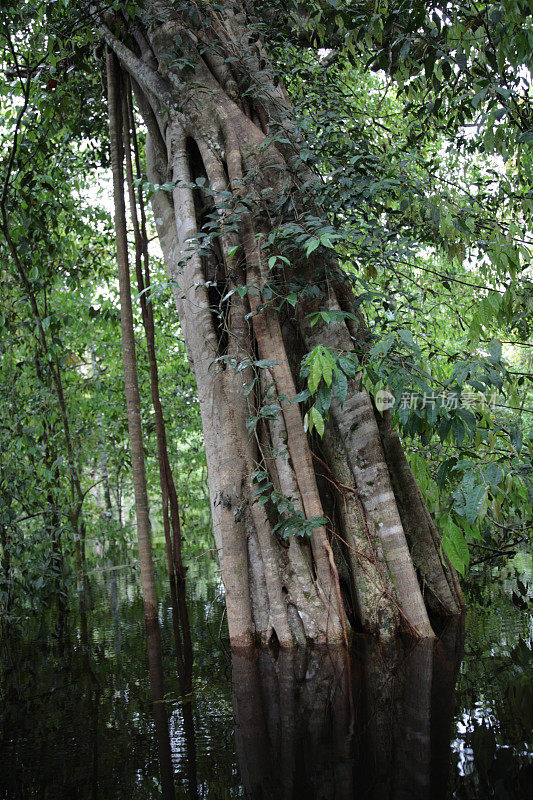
92 717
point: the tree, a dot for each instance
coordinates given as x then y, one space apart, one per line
231 194
131 379
284 210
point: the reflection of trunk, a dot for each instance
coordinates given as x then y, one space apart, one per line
160 713
422 733
413 741
446 664
404 738
185 666
184 643
114 610
292 723
95 708
376 704
223 181
327 725
190 749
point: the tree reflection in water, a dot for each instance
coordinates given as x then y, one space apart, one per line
84 717
320 724
184 662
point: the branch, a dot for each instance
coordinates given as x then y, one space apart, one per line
15 141
149 80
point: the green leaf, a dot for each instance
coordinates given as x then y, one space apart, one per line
315 374
458 430
327 364
493 474
384 345
316 420
348 366
474 503
455 546
270 411
516 437
470 497
311 246
251 424
323 399
340 386
407 338
461 61
301 397
526 137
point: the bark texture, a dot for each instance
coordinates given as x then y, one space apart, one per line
212 142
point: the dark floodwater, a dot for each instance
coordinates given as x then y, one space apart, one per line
442 721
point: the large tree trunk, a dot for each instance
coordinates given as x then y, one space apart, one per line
208 125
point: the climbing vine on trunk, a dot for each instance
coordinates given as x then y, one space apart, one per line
315 531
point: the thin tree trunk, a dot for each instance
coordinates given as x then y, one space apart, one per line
170 506
133 404
168 488
131 384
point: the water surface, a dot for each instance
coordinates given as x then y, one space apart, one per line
95 720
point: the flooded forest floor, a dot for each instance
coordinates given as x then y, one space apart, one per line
81 719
